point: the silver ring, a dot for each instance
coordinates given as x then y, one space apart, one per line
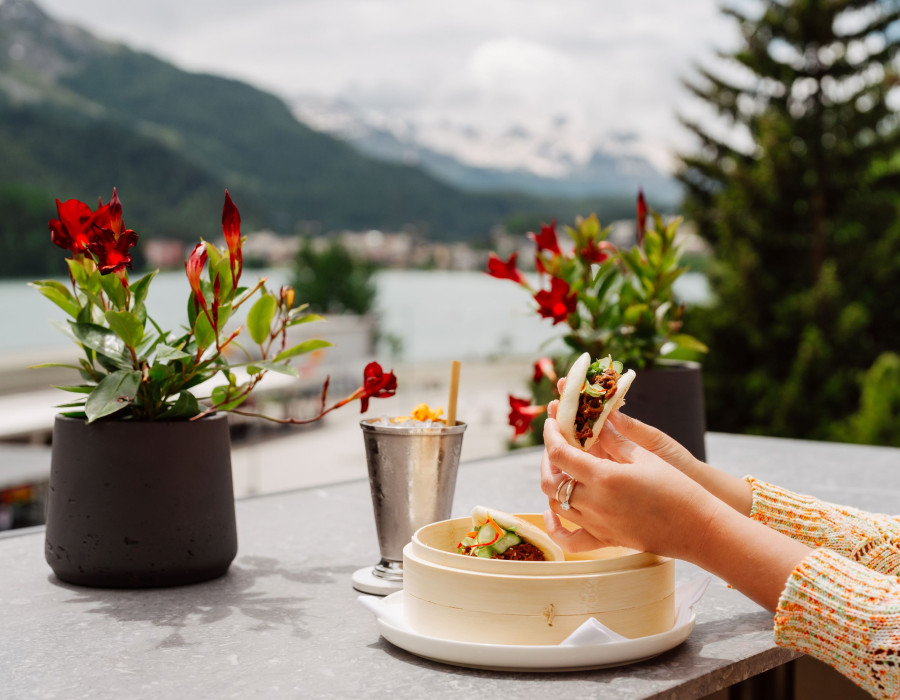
561 484
570 486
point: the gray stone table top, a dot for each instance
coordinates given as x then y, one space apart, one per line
284 622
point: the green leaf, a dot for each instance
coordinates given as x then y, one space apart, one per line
222 268
159 373
166 354
688 342
77 389
53 364
127 326
280 368
204 335
185 406
227 397
634 313
259 318
140 289
59 294
115 392
114 289
301 349
103 341
86 277
306 318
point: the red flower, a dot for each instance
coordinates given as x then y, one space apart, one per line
544 368
546 240
504 270
596 252
522 413
641 217
72 230
110 250
557 302
376 385
194 268
231 228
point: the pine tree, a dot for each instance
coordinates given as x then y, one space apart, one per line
800 205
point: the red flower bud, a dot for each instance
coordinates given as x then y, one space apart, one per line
115 214
231 229
641 217
194 268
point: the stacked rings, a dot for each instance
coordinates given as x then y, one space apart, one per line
570 485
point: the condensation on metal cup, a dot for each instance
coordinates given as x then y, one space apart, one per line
412 475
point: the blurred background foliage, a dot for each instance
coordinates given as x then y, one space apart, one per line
800 206
333 280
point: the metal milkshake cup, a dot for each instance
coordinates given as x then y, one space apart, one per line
412 476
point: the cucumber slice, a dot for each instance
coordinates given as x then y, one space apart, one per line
486 534
505 542
485 552
616 365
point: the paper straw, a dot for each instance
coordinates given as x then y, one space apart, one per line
454 392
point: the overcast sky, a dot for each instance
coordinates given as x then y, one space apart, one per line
608 66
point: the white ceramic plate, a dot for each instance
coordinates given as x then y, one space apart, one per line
513 657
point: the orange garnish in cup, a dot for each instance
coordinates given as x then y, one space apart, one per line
422 413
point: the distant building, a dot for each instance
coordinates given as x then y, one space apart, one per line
164 253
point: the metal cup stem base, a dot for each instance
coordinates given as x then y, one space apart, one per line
366 580
389 570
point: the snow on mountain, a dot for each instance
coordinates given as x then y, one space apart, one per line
547 159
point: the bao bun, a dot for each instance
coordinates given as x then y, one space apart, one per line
527 531
571 395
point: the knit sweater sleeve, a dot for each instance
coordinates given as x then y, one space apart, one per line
846 615
872 540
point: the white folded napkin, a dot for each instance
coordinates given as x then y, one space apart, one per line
589 633
592 631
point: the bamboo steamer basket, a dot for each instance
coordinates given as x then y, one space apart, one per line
493 601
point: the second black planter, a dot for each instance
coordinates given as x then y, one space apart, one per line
670 397
140 505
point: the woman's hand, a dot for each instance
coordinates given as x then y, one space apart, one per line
625 495
734 491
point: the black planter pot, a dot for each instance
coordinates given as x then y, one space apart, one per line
670 397
140 504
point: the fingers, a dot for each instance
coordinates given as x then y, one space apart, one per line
551 477
562 457
560 385
579 540
644 435
552 408
616 445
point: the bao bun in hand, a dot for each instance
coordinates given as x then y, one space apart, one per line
592 392
499 535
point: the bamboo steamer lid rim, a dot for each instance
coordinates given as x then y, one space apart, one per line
435 544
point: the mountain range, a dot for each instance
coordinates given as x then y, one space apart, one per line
556 163
79 115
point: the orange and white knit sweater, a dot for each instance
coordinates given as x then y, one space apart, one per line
842 602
